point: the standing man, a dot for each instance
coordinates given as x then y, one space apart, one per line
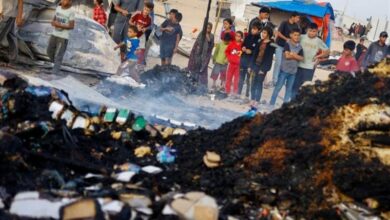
11 12
124 8
314 49
282 36
263 19
376 51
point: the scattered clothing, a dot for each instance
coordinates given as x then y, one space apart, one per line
375 54
99 15
347 64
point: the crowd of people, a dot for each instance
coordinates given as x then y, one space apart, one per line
240 57
245 58
358 30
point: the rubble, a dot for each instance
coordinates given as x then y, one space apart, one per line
305 160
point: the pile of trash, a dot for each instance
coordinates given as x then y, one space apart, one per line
324 156
163 79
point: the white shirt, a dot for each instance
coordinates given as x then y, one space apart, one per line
63 16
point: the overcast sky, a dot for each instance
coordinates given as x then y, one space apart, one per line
363 9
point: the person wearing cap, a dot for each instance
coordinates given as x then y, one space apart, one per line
11 12
376 51
263 19
347 62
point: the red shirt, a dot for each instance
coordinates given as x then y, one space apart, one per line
233 52
139 19
347 64
232 35
99 15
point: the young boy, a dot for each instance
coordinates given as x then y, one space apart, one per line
99 15
250 43
227 28
63 23
347 62
220 62
131 43
233 54
311 45
170 38
293 53
261 64
143 21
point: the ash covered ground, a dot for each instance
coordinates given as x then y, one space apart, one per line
327 147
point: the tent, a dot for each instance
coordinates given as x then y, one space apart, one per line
320 13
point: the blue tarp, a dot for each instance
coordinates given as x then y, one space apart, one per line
301 6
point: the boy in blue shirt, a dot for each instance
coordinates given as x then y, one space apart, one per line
132 43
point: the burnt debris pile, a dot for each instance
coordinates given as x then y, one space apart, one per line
163 79
323 156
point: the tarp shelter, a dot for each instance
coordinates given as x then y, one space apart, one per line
320 13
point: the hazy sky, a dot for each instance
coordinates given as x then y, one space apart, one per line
363 9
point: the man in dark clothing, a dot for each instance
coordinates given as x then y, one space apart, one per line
282 36
124 8
360 48
376 51
248 47
262 19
